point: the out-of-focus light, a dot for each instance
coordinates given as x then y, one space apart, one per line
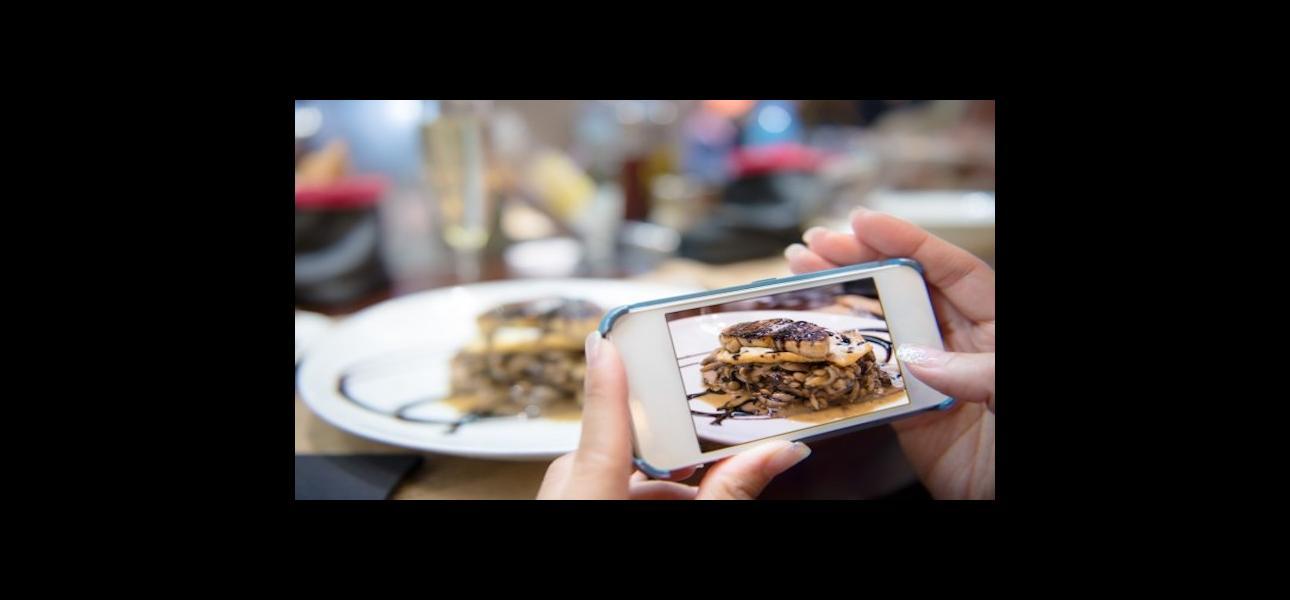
308 121
522 222
630 112
669 187
510 134
552 257
429 111
650 236
774 119
404 111
979 205
729 108
662 112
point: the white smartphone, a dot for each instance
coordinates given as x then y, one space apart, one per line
713 373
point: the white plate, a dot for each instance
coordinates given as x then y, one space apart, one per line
404 346
309 327
694 337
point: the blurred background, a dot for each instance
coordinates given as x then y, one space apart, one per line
399 196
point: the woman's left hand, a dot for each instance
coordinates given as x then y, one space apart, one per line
602 467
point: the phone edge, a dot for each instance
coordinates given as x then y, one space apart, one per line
607 324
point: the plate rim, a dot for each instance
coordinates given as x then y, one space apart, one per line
323 409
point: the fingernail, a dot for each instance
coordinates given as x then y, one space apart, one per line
918 355
811 233
793 250
592 345
857 211
786 458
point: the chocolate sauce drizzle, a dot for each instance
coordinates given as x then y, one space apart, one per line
401 412
735 413
730 413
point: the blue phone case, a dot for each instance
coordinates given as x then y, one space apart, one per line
607 323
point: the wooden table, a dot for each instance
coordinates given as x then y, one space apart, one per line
862 464
439 477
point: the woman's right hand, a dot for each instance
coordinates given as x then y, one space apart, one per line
953 450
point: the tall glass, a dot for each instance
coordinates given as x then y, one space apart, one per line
456 166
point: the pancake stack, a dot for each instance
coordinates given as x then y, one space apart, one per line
781 367
528 357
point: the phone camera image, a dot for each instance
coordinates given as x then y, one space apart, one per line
784 362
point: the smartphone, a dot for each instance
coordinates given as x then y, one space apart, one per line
794 358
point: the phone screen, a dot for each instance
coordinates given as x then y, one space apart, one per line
783 362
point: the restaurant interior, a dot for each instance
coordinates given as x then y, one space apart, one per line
416 218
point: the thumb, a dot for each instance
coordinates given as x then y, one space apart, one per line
744 475
964 376
603 462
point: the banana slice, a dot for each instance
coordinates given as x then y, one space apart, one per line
799 337
840 354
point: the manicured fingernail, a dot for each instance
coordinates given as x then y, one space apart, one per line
789 456
793 250
592 345
918 355
811 233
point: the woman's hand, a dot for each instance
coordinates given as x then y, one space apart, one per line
953 451
602 467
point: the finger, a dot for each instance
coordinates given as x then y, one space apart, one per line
681 474
743 476
966 281
678 475
603 461
802 260
838 247
961 375
662 490
557 475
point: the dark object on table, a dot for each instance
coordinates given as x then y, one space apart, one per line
859 465
338 241
761 211
351 477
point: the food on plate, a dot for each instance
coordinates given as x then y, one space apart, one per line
782 367
528 357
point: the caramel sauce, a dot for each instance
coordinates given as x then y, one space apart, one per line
846 411
828 415
716 399
463 404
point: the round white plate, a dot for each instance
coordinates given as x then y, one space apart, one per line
309 327
694 337
397 355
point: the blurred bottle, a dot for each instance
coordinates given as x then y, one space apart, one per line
599 226
634 148
456 169
598 140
